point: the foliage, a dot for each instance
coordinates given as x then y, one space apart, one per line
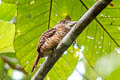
99 39
109 67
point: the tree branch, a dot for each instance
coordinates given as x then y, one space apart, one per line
70 37
13 66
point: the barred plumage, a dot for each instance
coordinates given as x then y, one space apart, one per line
50 39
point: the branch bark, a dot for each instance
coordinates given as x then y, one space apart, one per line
70 37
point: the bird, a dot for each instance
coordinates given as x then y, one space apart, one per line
51 38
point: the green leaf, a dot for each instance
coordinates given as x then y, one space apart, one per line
100 37
10 1
109 67
6 8
16 1
34 17
7 32
114 75
32 21
90 72
65 66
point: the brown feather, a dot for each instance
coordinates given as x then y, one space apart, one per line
45 36
42 40
50 39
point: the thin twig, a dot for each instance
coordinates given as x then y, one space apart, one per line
5 60
70 37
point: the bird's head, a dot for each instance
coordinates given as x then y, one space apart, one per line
67 21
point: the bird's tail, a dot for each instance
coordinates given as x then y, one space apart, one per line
35 63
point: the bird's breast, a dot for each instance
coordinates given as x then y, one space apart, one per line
52 42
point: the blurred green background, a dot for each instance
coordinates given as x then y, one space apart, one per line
95 56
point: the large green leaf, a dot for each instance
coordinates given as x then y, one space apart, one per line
7 32
33 18
102 35
36 16
17 1
7 11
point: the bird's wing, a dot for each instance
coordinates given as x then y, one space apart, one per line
45 36
42 40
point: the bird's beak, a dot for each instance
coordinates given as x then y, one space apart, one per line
71 24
